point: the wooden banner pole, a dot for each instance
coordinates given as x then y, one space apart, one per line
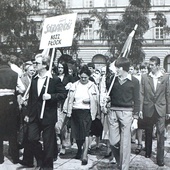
47 83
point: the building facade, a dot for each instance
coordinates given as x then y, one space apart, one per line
92 49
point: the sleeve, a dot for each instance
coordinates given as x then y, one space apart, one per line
136 96
141 93
167 93
60 91
20 86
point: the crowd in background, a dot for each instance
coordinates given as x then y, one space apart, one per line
82 107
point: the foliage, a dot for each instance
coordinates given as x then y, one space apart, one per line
142 4
116 33
20 32
160 19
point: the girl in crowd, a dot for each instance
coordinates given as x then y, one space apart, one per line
82 105
62 71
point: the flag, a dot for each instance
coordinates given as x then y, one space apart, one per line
126 48
124 53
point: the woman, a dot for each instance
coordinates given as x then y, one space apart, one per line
82 105
62 71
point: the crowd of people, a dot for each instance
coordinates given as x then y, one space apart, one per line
116 104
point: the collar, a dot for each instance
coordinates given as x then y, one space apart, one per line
129 77
159 74
74 85
47 74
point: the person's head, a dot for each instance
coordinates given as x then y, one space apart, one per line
13 59
70 71
91 67
41 62
122 65
103 70
62 68
85 74
29 68
132 69
154 64
143 68
4 59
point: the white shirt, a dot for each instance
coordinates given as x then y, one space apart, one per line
155 78
80 95
15 68
41 81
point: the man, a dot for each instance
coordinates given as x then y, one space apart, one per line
8 109
124 98
45 126
155 104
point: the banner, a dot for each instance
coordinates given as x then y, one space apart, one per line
127 46
58 31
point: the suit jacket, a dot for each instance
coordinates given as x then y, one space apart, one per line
57 91
151 99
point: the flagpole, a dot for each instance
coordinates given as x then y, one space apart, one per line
47 83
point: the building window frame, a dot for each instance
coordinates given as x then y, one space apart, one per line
68 3
88 3
89 33
167 64
159 2
110 3
159 32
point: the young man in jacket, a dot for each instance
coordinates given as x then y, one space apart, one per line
155 106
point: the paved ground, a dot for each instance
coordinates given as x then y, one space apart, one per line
96 160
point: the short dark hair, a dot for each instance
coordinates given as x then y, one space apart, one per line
4 58
143 65
123 62
155 59
85 70
91 65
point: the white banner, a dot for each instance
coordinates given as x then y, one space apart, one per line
58 31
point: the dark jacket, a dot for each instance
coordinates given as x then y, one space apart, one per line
8 103
151 99
57 91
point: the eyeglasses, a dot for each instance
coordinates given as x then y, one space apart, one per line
36 63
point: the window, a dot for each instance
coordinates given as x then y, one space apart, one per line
159 2
110 3
167 64
88 33
68 3
88 3
159 33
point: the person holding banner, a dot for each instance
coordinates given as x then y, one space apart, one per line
82 105
46 124
125 106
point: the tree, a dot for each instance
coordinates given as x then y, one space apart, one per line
19 32
116 33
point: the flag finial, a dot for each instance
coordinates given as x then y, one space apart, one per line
136 26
